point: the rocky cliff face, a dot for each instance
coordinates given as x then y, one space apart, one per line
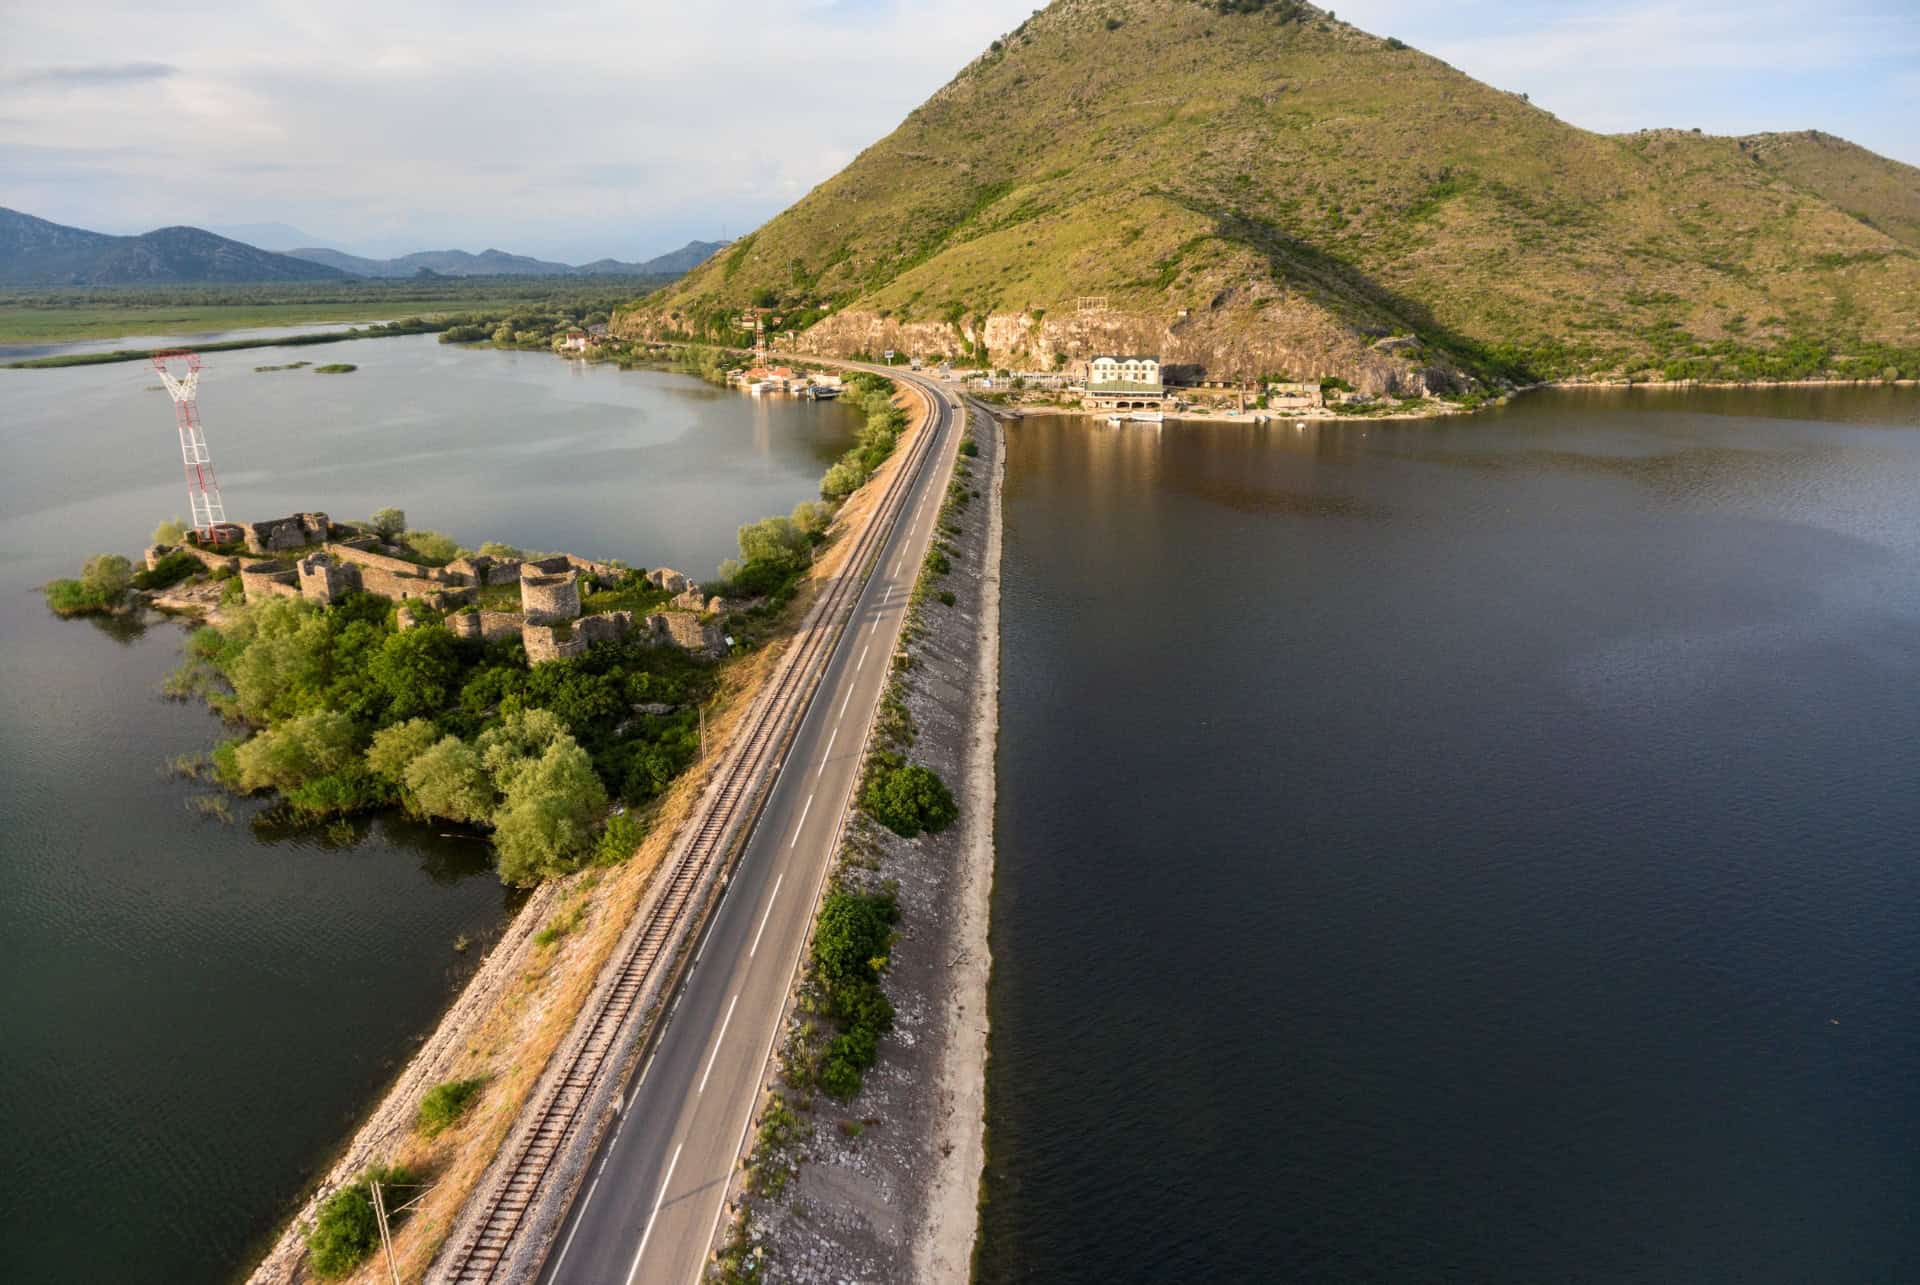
1246 334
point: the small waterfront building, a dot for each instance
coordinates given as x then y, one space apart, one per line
576 341
1290 395
1133 372
1125 383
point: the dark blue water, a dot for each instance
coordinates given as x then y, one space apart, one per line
1480 851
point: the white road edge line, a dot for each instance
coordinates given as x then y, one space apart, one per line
577 1220
771 898
718 1040
647 1235
802 823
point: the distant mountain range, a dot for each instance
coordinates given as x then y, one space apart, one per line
498 263
36 252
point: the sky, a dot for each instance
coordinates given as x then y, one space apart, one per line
599 128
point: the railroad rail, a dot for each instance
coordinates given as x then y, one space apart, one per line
485 1250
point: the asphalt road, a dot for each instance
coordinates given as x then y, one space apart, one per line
657 1187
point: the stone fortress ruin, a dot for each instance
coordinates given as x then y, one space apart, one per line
307 555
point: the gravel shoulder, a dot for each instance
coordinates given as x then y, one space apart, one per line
888 1183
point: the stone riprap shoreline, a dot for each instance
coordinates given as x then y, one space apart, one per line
887 1188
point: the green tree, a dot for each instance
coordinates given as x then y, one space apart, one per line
906 797
811 518
169 532
448 780
522 736
395 748
842 480
107 575
345 1231
298 750
416 670
279 659
433 546
545 823
388 524
850 938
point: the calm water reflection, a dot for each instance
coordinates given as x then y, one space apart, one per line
194 1013
1470 851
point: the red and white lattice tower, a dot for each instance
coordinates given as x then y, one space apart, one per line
203 490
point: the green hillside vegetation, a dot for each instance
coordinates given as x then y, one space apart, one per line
1881 193
1256 188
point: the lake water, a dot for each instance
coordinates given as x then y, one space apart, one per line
194 1014
1485 850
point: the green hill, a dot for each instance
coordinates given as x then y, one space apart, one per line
1250 187
1881 193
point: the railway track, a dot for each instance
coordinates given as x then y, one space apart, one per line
480 1257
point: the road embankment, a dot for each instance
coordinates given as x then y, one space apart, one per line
523 1005
887 1181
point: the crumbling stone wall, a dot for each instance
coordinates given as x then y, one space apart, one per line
608 627
448 599
395 585
684 629
669 579
323 581
543 643
486 626
298 531
550 599
353 551
263 580
210 560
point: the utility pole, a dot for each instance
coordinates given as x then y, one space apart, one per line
386 1233
703 735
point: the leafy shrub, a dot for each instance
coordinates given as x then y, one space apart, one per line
620 839
432 546
345 1231
545 823
72 598
850 938
349 790
298 750
445 1103
906 797
169 571
107 574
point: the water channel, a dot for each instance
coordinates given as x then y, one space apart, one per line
194 1013
1485 850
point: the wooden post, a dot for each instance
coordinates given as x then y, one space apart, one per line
386 1233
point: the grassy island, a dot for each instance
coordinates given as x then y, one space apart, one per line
362 703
